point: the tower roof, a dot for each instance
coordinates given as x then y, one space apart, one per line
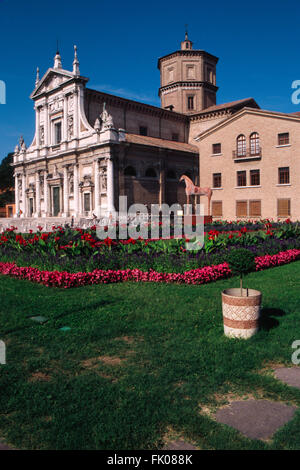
186 44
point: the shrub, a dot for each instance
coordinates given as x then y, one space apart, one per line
241 262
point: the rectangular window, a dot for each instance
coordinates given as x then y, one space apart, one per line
254 208
190 71
241 178
87 202
283 207
175 137
284 175
190 103
216 148
254 177
217 209
171 74
217 180
241 209
57 132
143 130
284 139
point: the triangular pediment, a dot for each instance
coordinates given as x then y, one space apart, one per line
52 79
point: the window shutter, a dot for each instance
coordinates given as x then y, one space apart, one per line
217 209
241 209
283 207
255 208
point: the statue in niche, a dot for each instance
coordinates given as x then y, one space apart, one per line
41 185
103 180
71 182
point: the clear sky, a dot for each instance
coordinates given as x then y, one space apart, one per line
119 43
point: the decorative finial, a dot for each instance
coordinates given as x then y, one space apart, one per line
97 125
57 58
75 62
37 76
186 33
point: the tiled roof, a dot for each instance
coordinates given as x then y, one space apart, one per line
155 142
232 104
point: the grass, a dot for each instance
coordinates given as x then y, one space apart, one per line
141 363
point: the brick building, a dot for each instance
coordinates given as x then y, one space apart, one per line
91 147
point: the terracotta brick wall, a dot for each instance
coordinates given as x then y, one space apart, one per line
273 157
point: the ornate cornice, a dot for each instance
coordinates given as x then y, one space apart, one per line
188 84
187 53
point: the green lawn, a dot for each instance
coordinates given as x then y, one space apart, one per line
141 363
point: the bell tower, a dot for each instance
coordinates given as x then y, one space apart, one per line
187 79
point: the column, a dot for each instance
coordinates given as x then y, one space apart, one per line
37 126
46 124
17 196
37 195
46 196
66 192
122 154
161 182
23 195
76 113
80 201
97 188
65 119
76 190
110 185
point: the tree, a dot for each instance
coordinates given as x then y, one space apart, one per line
6 180
241 262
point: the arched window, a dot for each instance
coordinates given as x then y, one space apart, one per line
188 174
150 173
241 146
254 144
171 175
129 171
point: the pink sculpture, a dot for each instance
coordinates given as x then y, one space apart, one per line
191 189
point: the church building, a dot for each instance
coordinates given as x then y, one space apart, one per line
91 147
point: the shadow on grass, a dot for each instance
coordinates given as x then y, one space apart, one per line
267 320
91 307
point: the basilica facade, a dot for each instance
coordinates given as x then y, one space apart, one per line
91 147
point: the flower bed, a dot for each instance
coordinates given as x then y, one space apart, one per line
75 250
98 276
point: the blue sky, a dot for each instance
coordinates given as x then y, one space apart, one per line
119 43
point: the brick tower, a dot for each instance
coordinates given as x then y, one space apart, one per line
187 79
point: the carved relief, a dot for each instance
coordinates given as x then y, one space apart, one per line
42 135
71 103
56 105
70 127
